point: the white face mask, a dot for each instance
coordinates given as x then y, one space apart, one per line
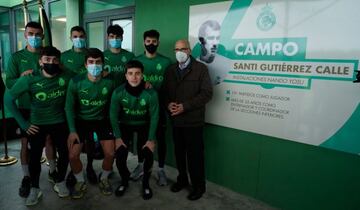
181 57
94 69
78 42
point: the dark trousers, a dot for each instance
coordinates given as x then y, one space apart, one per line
127 132
189 151
58 134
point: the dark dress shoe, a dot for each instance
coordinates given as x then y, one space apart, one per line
176 187
195 194
24 189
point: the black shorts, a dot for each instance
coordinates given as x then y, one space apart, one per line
26 115
87 128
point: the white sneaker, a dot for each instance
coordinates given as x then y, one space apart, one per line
61 189
162 181
137 172
34 196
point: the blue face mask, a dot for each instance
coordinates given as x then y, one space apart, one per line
78 42
115 43
34 41
94 69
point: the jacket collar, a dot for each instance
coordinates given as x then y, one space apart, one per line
184 71
186 64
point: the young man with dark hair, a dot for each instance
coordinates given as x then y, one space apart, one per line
115 56
134 109
74 58
47 89
87 108
155 65
22 63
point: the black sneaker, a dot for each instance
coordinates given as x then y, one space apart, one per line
120 191
91 176
24 189
70 180
147 193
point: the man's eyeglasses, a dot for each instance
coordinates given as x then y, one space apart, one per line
180 49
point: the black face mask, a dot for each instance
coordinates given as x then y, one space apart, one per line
151 48
51 68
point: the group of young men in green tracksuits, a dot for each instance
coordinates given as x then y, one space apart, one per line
84 91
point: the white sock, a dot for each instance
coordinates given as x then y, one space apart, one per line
104 174
25 169
52 166
80 176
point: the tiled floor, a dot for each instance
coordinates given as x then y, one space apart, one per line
216 196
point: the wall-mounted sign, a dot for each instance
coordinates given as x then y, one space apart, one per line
283 68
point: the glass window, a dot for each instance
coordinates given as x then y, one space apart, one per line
127 25
58 24
96 5
5 51
96 34
20 24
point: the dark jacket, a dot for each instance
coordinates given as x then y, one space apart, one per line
192 88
